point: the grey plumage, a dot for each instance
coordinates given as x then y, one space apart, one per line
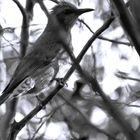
46 48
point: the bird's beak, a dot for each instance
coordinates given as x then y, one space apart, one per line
81 11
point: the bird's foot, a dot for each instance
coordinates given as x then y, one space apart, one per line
61 81
40 102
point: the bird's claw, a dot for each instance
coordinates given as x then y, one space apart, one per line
40 102
61 81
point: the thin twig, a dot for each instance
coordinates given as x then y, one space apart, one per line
46 119
33 137
86 118
94 70
24 32
55 1
104 38
127 77
112 110
11 45
88 44
40 2
127 104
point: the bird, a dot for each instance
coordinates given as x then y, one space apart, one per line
44 50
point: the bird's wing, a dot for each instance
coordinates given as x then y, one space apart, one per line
28 65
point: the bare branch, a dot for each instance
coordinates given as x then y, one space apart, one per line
88 44
112 110
128 23
43 7
55 1
24 32
29 8
7 118
104 38
86 118
127 77
11 45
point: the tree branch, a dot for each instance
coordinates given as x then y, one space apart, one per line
112 110
104 38
16 127
128 23
127 77
24 30
55 1
86 118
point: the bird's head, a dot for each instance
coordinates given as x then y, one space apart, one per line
67 14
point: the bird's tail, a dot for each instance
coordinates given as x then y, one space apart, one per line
15 90
7 91
5 95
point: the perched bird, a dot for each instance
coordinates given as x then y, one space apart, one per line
45 49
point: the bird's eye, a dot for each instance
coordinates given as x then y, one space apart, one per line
68 11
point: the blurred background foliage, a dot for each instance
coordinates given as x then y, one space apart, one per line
77 112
